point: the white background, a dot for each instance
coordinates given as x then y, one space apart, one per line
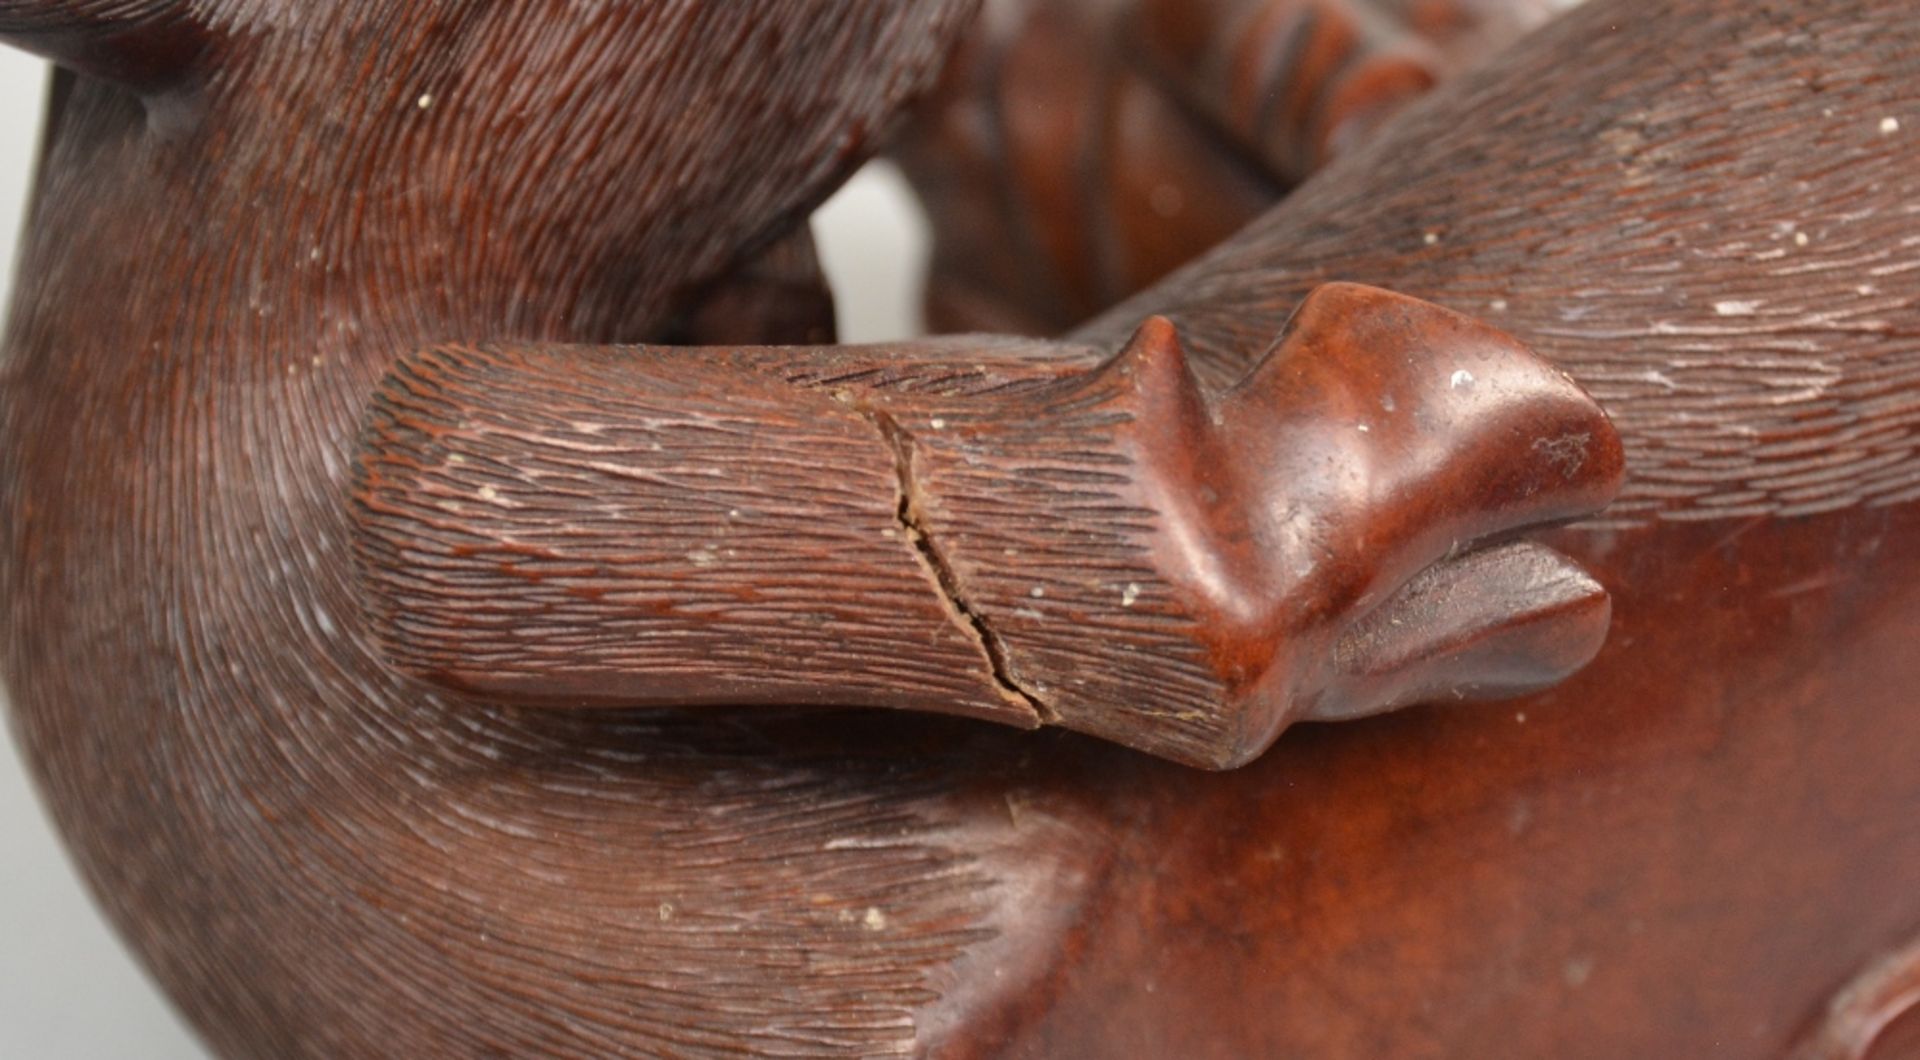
68 989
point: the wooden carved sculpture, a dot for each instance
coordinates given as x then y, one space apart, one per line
999 530
1078 150
401 618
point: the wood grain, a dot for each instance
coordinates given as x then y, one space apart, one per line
1690 849
1079 150
1739 304
988 528
315 857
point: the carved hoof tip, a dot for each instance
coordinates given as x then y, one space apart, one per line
1497 622
1410 446
1503 443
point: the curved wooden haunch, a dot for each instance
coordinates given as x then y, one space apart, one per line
990 529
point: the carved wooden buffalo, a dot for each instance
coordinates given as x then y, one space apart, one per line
434 585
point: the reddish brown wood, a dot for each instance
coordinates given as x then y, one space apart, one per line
310 853
1001 530
780 297
1877 1016
1692 848
1704 211
1079 150
150 44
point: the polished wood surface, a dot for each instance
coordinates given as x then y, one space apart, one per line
1702 844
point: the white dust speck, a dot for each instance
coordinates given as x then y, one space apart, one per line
1735 309
939 425
488 493
1462 378
875 920
1037 592
1577 971
1889 125
1132 594
425 101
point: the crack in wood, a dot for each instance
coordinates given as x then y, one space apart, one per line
909 514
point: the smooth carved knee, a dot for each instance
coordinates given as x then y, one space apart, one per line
1021 534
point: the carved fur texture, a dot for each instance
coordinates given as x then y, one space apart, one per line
1688 849
1079 150
1723 261
316 858
1005 535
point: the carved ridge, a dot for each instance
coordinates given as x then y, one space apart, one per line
1856 1019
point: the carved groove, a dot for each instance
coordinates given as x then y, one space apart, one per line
913 525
